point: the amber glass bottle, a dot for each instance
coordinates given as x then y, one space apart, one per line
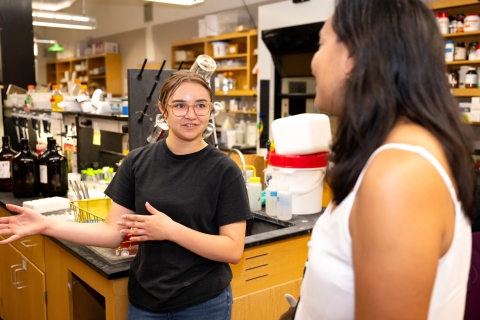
44 151
26 181
6 156
53 172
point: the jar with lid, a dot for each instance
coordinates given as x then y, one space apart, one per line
453 78
472 22
442 21
57 97
452 26
471 78
449 50
460 51
472 50
460 22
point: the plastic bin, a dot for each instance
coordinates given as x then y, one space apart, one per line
302 134
91 210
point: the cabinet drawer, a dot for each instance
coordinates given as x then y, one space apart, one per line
269 265
32 247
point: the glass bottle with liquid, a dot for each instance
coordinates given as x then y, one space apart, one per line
6 157
26 181
53 172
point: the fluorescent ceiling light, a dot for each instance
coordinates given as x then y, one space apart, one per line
51 5
180 2
63 20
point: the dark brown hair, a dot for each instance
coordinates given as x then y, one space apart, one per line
173 83
399 71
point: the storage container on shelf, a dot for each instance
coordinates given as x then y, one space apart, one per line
301 134
304 175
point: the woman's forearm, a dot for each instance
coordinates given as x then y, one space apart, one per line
226 247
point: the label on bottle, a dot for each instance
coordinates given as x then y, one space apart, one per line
43 174
4 169
471 79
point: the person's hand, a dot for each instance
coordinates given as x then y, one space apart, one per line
144 228
27 222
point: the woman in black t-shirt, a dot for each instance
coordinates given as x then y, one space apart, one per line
182 199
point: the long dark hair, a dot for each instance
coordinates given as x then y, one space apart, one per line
399 71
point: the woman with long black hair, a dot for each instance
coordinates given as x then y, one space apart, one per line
395 243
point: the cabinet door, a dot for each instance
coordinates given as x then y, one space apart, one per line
9 262
23 287
31 284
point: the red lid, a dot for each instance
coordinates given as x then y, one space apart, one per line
472 14
442 15
314 160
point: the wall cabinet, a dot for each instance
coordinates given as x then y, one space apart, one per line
103 71
239 64
454 7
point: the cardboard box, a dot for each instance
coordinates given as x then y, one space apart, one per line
236 48
104 47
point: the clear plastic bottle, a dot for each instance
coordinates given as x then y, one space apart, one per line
83 94
284 209
254 190
28 98
57 97
225 83
76 87
6 156
271 198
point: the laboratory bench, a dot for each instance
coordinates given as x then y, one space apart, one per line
43 277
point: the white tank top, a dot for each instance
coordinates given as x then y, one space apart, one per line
327 290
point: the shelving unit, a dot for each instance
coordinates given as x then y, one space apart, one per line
454 7
110 79
246 41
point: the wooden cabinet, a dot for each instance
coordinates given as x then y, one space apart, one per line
264 275
23 291
103 71
454 7
239 65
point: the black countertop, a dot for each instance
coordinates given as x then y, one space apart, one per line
300 225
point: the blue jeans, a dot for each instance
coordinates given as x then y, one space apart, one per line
218 308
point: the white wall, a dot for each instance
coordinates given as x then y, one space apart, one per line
273 16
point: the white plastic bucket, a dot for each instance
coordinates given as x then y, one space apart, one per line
220 48
304 175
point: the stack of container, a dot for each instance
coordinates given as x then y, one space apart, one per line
299 162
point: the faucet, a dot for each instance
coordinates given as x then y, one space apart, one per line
242 159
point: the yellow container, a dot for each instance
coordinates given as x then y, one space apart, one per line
91 210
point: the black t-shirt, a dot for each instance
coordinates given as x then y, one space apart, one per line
203 191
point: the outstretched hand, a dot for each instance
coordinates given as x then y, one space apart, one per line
143 228
27 222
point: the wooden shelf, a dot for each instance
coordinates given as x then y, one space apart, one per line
240 112
236 93
246 44
231 69
444 4
466 92
461 34
231 56
463 62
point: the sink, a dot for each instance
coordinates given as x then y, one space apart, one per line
261 224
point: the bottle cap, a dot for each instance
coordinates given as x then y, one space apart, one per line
77 81
273 183
254 179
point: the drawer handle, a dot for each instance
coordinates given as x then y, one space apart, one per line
27 245
15 283
11 272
